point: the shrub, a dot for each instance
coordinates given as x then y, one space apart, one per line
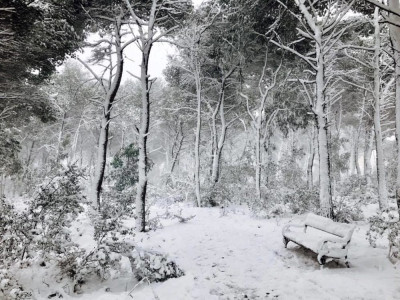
125 168
302 200
154 266
57 203
347 210
10 288
386 223
43 227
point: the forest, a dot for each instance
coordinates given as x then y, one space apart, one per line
159 149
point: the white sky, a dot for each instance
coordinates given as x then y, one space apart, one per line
158 56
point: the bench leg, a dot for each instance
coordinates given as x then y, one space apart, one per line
321 260
285 241
346 262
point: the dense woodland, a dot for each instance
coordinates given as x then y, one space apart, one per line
281 106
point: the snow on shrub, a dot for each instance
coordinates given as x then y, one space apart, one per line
10 288
302 200
386 224
154 266
347 210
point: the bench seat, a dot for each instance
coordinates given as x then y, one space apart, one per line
330 240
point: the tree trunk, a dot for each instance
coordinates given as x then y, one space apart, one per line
142 140
352 163
258 158
395 38
176 149
369 140
358 133
325 193
176 155
310 164
109 98
60 135
220 143
197 142
380 165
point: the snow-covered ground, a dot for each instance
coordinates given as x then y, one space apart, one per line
238 257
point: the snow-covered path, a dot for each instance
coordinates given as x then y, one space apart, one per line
237 257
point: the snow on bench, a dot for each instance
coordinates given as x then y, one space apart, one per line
330 240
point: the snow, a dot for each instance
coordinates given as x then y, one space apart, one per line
236 256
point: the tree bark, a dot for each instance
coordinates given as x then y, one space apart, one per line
358 133
369 140
142 140
197 142
219 143
325 192
310 164
258 159
109 98
176 149
381 175
395 38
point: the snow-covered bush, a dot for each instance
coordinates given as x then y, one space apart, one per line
113 239
302 200
56 205
347 210
10 240
154 266
386 224
10 288
356 189
270 205
80 266
216 194
44 226
41 233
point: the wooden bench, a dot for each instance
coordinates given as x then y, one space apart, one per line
328 239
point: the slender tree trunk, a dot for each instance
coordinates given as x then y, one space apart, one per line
76 137
142 140
176 149
197 142
221 141
28 161
310 164
325 192
60 135
258 158
352 165
176 155
369 140
358 133
382 189
109 98
395 38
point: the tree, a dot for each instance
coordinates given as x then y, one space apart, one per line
163 15
320 25
106 50
380 90
260 121
393 18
